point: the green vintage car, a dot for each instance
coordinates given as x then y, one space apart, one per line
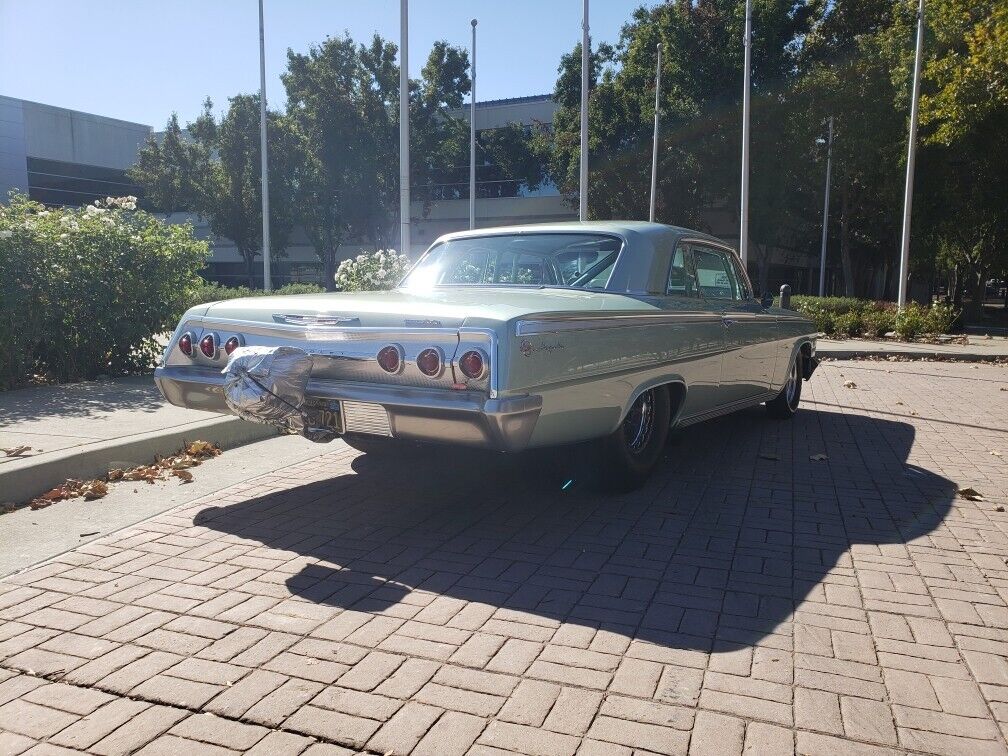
508 338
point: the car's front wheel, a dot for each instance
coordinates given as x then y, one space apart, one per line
785 404
630 453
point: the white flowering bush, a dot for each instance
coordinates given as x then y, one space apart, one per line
372 271
84 290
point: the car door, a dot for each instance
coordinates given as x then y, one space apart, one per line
749 356
700 340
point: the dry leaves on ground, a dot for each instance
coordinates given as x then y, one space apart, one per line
15 451
970 494
191 455
850 384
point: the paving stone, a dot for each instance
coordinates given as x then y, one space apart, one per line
716 735
88 730
403 731
452 735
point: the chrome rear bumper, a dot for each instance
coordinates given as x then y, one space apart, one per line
421 414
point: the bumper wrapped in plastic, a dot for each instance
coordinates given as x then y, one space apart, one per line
267 385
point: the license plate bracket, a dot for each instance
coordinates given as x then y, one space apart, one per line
325 413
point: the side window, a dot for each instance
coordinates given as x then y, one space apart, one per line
715 274
680 280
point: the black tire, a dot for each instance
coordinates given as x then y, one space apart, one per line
630 453
785 404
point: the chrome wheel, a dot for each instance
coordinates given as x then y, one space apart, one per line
639 423
791 388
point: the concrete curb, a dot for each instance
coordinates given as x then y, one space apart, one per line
24 479
848 354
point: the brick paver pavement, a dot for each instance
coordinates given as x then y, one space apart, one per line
753 598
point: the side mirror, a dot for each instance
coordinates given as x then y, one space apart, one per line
767 300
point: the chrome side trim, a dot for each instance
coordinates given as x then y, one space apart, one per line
592 322
315 320
726 409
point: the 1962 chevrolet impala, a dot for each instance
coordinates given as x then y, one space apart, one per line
509 339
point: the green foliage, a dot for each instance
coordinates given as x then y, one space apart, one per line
372 271
940 318
212 291
911 321
876 322
847 324
85 290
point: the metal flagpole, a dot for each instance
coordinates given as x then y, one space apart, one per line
825 211
472 135
744 227
583 181
654 149
911 154
264 159
404 162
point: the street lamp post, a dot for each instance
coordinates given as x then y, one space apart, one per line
911 154
472 135
585 64
264 159
825 211
404 161
744 225
654 148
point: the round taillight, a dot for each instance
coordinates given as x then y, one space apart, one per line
185 344
390 359
231 344
473 364
208 345
429 362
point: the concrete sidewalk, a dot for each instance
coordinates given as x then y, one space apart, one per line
81 430
978 349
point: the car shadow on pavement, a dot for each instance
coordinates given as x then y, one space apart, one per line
740 527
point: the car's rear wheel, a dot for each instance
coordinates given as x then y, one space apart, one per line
785 404
630 453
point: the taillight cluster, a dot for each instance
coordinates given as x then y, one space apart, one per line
431 362
209 345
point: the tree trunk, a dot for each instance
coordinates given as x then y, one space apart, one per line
249 266
978 287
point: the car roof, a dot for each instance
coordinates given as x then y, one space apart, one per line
623 228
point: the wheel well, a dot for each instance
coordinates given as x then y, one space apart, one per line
677 395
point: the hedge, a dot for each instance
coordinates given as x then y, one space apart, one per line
210 291
84 290
849 316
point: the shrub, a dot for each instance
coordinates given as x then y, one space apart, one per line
825 311
940 318
847 324
211 291
878 321
84 290
911 321
372 271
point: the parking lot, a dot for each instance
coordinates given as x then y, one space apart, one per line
813 586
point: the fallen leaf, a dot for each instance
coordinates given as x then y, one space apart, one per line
818 457
15 451
184 475
999 508
94 532
995 453
94 489
115 474
7 507
970 494
850 384
900 403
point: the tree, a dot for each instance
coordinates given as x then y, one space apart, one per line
214 170
171 170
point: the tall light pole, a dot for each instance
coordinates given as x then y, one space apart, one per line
654 148
744 225
585 55
825 211
472 135
264 159
911 154
404 164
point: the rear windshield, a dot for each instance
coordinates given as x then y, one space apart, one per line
584 261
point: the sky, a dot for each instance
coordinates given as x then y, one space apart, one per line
140 60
